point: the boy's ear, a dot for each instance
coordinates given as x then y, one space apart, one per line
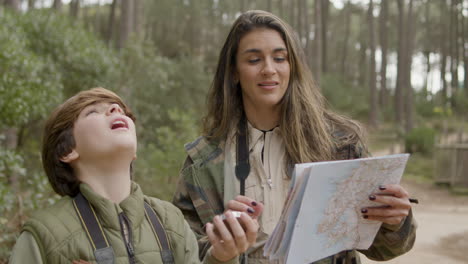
73 155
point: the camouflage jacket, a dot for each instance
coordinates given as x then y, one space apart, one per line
200 193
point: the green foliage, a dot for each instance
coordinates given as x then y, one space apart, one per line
154 86
44 56
29 84
420 140
460 101
82 60
159 161
16 202
345 97
420 167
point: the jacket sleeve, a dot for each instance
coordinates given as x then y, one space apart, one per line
26 250
183 201
393 241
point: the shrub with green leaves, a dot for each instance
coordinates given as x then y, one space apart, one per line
82 59
29 83
420 140
345 97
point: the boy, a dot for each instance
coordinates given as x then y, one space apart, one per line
88 146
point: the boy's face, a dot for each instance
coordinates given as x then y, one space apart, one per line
104 129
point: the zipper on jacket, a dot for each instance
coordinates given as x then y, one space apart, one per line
126 230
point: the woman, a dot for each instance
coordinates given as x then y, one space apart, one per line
266 113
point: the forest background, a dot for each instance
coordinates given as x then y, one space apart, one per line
399 67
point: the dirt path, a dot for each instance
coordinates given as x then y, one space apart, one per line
442 234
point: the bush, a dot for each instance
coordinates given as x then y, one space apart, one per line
16 202
29 83
82 59
345 97
420 140
159 161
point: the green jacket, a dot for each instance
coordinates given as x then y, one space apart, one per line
61 238
200 196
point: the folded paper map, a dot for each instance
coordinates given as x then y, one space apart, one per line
322 213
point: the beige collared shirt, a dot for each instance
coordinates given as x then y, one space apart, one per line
267 182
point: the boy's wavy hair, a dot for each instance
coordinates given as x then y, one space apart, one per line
58 140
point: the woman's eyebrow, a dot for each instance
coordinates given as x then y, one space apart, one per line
254 50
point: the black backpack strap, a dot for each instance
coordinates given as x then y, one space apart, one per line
242 168
160 234
102 250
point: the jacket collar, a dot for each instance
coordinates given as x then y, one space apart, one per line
107 211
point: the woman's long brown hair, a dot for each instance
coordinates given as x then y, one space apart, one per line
310 131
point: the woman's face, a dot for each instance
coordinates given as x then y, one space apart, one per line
262 68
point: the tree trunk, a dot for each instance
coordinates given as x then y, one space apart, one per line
300 21
317 55
410 38
427 48
13 4
325 15
193 29
281 8
31 4
111 23
11 138
443 51
126 22
309 42
347 25
137 16
293 17
242 6
74 8
269 5
464 29
305 13
57 5
399 90
97 18
383 24
374 107
362 71
427 54
458 38
453 50
11 143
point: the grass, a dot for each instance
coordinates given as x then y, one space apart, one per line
420 168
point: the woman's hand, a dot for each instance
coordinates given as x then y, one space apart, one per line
245 204
395 205
231 238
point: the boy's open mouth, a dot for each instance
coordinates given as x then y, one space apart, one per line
119 123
